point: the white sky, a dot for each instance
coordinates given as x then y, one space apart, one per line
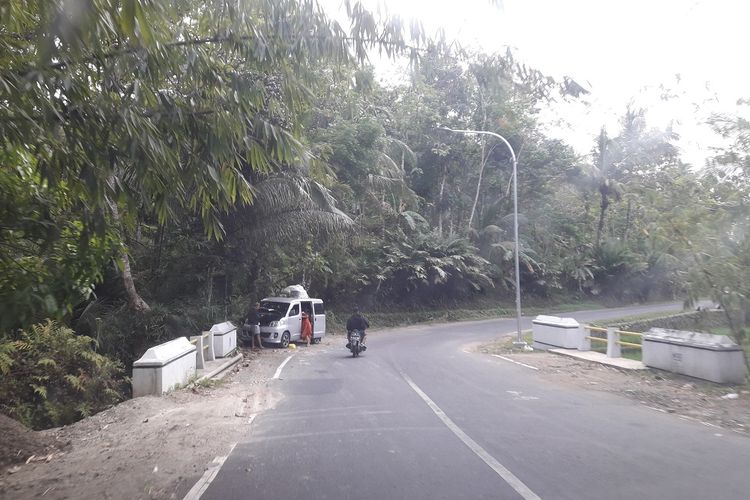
621 50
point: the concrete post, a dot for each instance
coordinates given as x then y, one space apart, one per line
199 361
208 346
614 350
585 344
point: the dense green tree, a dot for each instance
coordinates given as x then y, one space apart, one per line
147 110
716 231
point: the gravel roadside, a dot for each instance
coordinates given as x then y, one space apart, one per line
148 447
722 406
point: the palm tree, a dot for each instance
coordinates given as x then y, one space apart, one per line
607 186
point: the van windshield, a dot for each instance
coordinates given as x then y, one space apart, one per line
273 311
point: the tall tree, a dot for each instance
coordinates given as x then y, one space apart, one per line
719 242
142 107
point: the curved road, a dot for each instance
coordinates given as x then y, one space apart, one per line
420 417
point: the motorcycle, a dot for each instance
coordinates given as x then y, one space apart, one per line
355 344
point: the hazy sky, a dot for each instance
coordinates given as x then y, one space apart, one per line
620 50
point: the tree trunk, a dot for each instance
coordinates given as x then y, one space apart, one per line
479 184
627 222
603 187
440 207
483 162
603 210
135 302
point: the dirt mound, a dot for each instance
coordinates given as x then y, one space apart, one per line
20 443
149 447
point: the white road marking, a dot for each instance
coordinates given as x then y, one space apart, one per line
501 471
204 482
252 417
281 366
338 409
516 362
518 397
653 408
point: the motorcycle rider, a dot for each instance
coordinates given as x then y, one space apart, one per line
356 322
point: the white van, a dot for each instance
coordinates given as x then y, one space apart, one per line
281 319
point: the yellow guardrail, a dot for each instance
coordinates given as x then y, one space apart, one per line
205 344
629 344
623 332
598 339
599 329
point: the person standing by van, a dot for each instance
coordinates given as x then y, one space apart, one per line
252 324
356 322
306 331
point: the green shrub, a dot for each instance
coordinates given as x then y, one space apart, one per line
52 377
124 335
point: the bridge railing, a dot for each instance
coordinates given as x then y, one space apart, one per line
204 344
613 339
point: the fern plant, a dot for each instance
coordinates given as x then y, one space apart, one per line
52 377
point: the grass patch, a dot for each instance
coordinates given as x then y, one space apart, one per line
630 319
209 383
504 345
485 309
381 319
721 330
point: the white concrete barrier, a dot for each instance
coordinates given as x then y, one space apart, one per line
225 338
702 355
164 367
553 332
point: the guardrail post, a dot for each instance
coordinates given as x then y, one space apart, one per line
614 350
200 362
208 346
585 342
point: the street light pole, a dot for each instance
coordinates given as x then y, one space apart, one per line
519 339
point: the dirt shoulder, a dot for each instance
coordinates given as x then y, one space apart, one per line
149 447
724 406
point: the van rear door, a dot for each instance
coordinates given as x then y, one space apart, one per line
319 327
294 323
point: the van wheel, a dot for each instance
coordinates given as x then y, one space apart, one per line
316 340
285 339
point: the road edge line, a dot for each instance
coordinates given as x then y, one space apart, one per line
491 461
281 367
516 362
200 487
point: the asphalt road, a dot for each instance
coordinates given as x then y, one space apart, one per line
419 417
